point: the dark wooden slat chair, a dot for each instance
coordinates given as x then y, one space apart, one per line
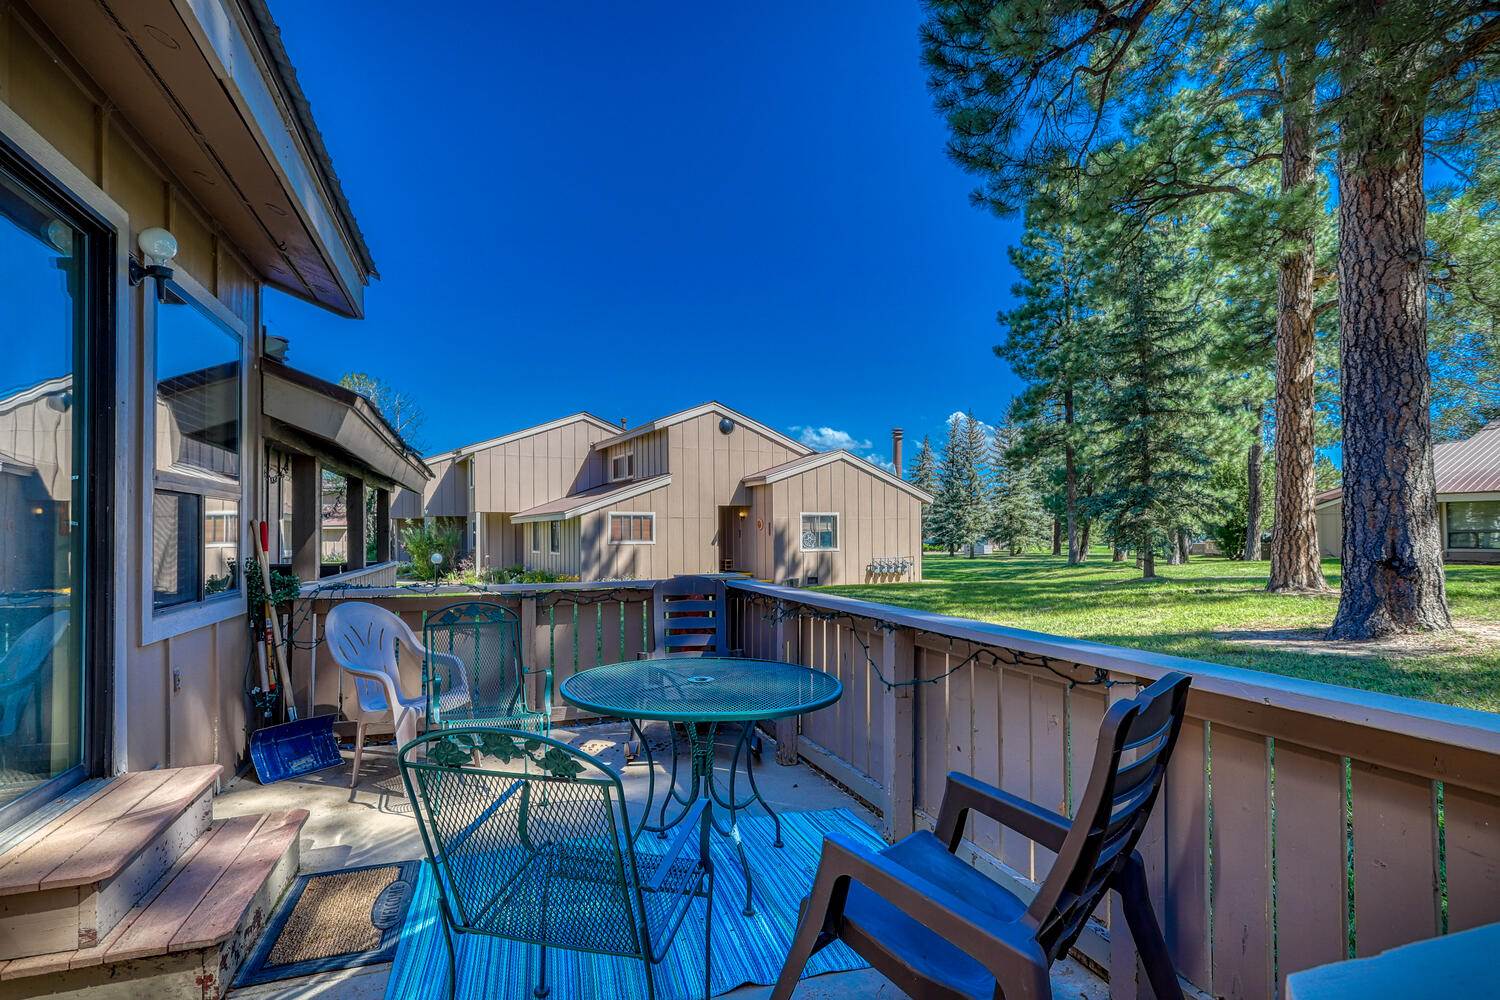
939 929
689 617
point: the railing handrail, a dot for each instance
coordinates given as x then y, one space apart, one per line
1450 724
337 592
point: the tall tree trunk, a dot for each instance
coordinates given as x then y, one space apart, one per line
1147 559
1183 546
1085 535
1174 548
1393 556
1252 481
1295 565
1070 473
1119 554
1056 537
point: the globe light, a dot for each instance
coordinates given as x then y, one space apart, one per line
436 559
157 244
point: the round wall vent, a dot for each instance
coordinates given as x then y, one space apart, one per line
726 426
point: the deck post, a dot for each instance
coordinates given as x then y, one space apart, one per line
528 644
307 518
383 552
786 651
354 523
900 661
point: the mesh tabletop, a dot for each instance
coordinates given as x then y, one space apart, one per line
706 689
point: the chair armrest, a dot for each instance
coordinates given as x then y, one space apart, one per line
976 933
697 821
963 793
546 707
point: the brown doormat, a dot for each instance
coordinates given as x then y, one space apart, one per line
333 920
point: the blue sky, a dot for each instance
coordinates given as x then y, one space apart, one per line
631 209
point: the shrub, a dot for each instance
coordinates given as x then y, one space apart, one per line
422 540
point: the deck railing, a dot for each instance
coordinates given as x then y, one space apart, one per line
1301 823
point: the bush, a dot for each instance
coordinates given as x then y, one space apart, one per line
1230 536
518 574
422 540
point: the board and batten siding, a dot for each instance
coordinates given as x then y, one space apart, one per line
876 520
563 563
537 468
640 561
184 696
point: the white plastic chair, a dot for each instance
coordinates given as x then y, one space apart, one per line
363 638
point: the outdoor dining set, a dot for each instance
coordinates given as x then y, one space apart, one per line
531 839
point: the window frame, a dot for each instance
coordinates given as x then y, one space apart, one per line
163 623
1449 531
629 457
649 515
837 530
535 535
554 538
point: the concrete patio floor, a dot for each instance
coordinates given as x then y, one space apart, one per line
374 825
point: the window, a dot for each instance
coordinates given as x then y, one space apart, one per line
820 532
554 537
622 466
536 536
1474 524
48 316
195 531
632 529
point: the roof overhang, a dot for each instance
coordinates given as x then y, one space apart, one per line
660 423
797 467
207 85
306 413
525 432
589 501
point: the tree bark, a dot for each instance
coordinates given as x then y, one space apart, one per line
1119 555
1183 552
1174 550
1392 554
1056 537
1252 481
1085 537
1070 474
1295 563
1147 559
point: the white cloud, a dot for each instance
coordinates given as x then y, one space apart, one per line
989 429
833 439
830 439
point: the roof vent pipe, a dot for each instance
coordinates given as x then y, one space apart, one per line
623 425
896 435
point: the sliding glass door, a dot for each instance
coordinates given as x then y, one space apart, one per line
45 313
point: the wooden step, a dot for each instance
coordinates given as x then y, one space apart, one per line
187 937
67 884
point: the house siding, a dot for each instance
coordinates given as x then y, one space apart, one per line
184 695
539 467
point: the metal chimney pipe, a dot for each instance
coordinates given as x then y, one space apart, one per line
623 425
896 435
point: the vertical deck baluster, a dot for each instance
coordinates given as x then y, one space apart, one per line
1311 908
1241 891
1185 918
1395 858
1472 823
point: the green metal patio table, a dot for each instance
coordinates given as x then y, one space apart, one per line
703 693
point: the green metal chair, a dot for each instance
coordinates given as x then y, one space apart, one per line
476 647
529 840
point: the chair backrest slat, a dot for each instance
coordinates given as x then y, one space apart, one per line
1130 761
486 638
689 617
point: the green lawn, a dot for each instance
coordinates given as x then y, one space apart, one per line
1214 609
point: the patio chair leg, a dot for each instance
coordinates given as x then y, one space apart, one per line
812 933
542 989
708 940
1146 932
359 753
448 944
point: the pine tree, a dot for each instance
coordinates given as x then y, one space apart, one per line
958 514
924 476
1156 417
1018 519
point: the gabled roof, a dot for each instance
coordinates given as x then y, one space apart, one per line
817 460
524 432
587 501
697 411
1468 466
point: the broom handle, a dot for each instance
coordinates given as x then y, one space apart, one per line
263 542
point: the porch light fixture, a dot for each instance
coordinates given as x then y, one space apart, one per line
159 247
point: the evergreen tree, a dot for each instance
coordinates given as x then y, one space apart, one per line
924 475
1156 415
958 514
1018 519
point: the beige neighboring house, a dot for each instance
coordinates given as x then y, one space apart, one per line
1468 493
704 490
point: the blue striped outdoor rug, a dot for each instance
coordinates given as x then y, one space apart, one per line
746 949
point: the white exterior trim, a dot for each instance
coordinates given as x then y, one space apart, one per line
168 622
525 432
820 459
698 411
630 513
838 529
591 504
630 455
